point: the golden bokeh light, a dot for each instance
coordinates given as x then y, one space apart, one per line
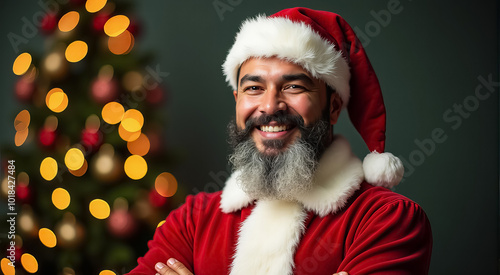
126 135
24 178
69 21
56 100
27 222
99 209
22 64
5 186
107 272
135 167
22 120
68 231
93 6
140 146
104 164
21 137
116 25
7 267
132 121
106 72
68 271
121 44
47 237
48 168
166 184
112 112
29 263
80 172
133 81
74 159
61 198
160 223
76 51
54 62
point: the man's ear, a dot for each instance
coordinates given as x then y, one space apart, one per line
235 93
335 107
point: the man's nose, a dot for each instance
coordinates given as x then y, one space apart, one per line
272 102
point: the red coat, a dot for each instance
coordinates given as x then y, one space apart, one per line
365 230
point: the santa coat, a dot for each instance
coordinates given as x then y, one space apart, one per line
341 224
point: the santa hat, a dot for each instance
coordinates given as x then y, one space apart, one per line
327 47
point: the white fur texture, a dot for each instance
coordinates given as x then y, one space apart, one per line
269 236
292 41
268 239
383 169
339 175
233 198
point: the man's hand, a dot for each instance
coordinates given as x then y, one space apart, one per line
173 267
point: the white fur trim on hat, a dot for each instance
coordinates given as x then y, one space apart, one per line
383 169
293 41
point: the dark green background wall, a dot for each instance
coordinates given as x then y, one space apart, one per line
430 57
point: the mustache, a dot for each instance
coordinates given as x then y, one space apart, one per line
240 135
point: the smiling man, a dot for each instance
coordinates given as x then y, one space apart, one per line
299 201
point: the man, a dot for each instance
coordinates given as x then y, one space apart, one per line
299 201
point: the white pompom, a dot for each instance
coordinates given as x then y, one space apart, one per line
383 169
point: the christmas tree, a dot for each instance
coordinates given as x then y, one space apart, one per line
85 182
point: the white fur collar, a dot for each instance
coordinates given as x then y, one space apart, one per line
339 175
268 239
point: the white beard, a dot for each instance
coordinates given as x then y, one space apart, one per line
283 176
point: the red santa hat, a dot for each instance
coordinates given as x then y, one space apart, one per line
327 47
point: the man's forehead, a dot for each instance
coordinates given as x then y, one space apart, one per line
263 66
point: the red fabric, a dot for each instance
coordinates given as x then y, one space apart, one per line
378 232
366 105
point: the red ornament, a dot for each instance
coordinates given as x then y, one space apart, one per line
24 89
19 253
104 90
46 137
49 23
91 139
156 199
156 96
121 223
23 192
99 20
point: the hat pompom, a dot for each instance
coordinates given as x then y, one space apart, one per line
383 169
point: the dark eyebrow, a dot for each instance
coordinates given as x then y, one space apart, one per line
301 76
248 77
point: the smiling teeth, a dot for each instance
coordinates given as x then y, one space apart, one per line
273 128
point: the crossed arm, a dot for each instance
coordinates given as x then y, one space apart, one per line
174 267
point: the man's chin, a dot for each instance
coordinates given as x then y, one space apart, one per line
272 147
271 152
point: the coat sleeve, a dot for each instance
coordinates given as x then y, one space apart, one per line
395 239
173 239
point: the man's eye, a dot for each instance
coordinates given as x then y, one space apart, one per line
295 88
252 89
